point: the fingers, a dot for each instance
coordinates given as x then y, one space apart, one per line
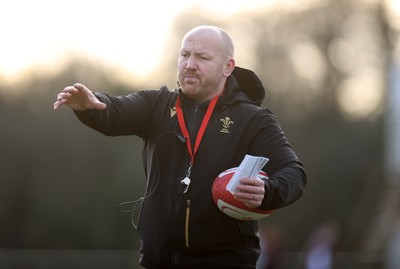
57 104
79 87
78 97
61 100
64 96
250 191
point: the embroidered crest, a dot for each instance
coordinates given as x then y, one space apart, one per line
226 123
173 111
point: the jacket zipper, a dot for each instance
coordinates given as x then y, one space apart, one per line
187 223
193 123
187 210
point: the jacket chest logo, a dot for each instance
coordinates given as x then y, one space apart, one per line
173 111
226 123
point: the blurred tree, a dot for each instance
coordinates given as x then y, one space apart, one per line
62 182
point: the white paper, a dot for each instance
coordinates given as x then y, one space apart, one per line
248 168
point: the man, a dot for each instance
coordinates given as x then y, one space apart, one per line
202 128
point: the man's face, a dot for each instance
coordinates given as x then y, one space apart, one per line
202 65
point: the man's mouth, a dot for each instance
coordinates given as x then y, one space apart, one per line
189 75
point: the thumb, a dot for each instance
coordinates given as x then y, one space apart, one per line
99 105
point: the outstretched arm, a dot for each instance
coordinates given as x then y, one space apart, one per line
79 98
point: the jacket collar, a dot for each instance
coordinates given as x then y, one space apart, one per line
242 85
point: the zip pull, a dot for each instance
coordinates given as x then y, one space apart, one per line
187 223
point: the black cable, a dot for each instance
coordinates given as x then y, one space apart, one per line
136 204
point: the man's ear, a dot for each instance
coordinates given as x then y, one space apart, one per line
230 65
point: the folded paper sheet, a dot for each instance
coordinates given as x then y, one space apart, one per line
248 168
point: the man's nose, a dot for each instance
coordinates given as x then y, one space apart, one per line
191 63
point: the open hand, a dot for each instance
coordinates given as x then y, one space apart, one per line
78 97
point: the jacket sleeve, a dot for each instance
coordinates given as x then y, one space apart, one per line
287 177
124 115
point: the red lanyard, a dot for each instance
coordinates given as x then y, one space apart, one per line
203 125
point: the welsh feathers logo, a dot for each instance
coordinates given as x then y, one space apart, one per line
226 123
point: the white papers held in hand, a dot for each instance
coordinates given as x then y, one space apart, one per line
248 168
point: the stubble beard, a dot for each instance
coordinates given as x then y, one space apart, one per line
204 89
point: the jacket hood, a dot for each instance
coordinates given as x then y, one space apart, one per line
245 82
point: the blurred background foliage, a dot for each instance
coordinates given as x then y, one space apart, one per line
325 67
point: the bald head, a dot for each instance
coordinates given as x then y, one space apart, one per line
221 38
205 62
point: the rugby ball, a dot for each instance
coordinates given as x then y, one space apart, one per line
227 203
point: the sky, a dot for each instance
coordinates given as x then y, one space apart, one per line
123 32
126 33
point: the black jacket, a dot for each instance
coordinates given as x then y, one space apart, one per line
187 230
